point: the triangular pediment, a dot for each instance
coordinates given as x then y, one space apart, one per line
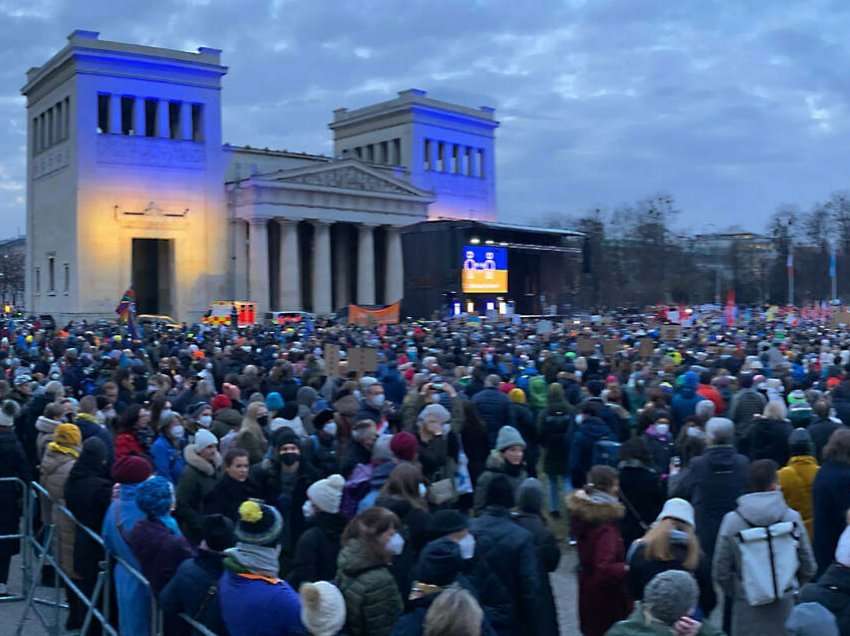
349 175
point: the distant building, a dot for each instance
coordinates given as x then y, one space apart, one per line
12 271
738 260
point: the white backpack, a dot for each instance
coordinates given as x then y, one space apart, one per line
769 560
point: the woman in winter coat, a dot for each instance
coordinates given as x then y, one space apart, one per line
372 600
554 424
797 478
831 497
202 473
46 426
323 443
437 444
167 449
250 435
671 544
641 489
595 518
133 433
234 487
525 423
768 436
318 547
13 463
659 441
475 441
529 515
506 459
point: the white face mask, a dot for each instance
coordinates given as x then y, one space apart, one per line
165 415
662 429
205 420
467 546
377 400
423 490
177 431
308 509
395 544
330 428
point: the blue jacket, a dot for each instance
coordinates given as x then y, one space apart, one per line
831 498
587 433
256 607
190 589
168 461
494 407
684 404
133 597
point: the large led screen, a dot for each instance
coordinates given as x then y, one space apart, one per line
485 269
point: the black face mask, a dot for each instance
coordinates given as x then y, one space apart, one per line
263 420
288 459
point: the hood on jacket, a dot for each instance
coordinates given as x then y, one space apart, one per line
354 557
580 504
231 417
306 396
762 508
594 428
199 463
720 458
46 425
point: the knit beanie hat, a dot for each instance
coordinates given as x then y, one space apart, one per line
204 439
258 523
283 436
322 608
508 436
529 497
517 396
842 550
678 509
440 563
445 522
671 595
322 418
274 401
326 494
435 412
800 442
155 496
218 533
811 619
220 402
8 412
131 469
404 446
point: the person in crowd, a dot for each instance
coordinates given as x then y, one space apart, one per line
763 506
475 439
437 445
121 517
193 590
203 471
226 419
529 515
359 449
318 547
323 443
832 588
589 429
86 421
253 600
659 441
822 427
831 497
46 426
799 410
554 423
671 544
668 601
454 612
797 478
234 486
811 619
746 404
641 489
372 600
709 392
507 458
692 445
494 407
768 436
156 539
250 435
88 493
59 457
14 464
322 608
524 421
506 552
167 449
685 398
133 433
714 482
596 513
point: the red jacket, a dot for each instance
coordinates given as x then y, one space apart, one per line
710 393
127 444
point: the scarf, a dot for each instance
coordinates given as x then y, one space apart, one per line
65 450
246 557
601 497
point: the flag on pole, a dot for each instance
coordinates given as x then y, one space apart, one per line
731 309
126 311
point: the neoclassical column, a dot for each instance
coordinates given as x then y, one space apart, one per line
394 287
162 123
258 264
289 283
185 120
321 267
240 253
365 265
342 267
139 117
115 113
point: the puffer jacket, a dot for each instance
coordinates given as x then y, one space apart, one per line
196 482
494 407
55 468
45 427
496 465
372 601
797 480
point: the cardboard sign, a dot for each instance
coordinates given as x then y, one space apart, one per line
671 332
647 348
362 359
585 346
610 347
331 355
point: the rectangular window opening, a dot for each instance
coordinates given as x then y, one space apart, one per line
441 157
49 127
150 118
35 133
197 122
174 120
385 152
479 169
66 114
51 274
102 113
57 122
37 283
396 151
66 285
127 115
359 152
426 151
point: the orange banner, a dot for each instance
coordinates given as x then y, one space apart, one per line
369 316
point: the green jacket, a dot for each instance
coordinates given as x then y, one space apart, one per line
372 600
638 625
538 392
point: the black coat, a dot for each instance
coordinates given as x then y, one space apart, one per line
821 430
494 407
415 523
228 494
354 454
323 454
832 590
194 591
553 439
317 550
13 463
641 487
831 499
548 557
768 439
507 552
88 493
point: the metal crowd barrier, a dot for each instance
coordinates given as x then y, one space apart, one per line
35 554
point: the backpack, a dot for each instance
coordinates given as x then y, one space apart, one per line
355 489
606 452
769 560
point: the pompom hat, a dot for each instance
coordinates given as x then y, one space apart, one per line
258 524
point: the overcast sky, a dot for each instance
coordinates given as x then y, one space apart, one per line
732 107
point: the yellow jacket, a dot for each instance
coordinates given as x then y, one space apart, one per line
796 480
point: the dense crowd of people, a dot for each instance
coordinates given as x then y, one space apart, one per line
263 486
